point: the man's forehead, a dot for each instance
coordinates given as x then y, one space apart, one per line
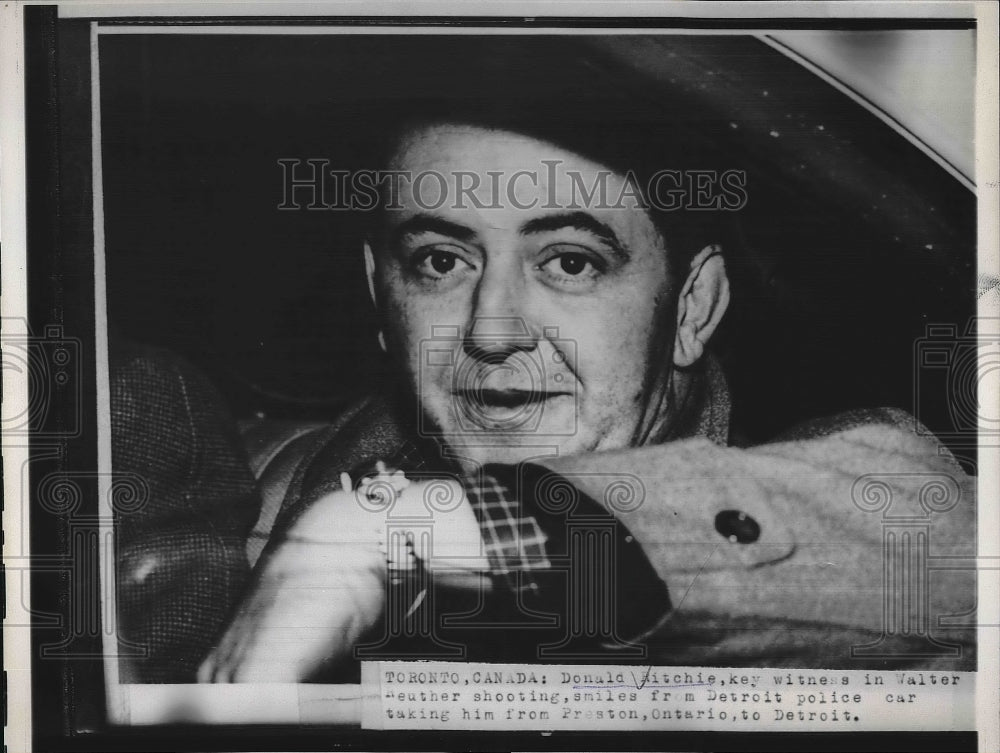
504 175
627 228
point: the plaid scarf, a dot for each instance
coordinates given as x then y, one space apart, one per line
513 540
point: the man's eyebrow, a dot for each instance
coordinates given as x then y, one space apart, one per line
575 220
428 223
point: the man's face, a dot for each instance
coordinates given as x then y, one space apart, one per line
525 317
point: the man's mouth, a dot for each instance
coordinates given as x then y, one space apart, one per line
507 399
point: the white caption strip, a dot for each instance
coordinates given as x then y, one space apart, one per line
445 695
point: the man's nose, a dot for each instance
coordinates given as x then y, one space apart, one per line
493 339
499 325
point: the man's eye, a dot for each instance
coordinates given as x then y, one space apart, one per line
438 262
571 264
442 261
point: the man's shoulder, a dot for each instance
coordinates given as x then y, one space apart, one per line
824 426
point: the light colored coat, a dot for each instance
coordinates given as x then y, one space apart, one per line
866 535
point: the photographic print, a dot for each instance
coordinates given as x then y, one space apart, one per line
399 380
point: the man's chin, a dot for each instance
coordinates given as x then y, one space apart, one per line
476 451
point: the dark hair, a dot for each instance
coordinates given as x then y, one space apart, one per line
558 90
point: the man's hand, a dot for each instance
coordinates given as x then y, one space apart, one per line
317 594
310 604
313 597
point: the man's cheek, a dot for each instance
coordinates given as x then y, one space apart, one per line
613 373
408 330
609 349
419 317
432 384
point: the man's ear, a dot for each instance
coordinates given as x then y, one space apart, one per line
701 305
370 272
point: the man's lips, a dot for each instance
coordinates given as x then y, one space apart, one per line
494 398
